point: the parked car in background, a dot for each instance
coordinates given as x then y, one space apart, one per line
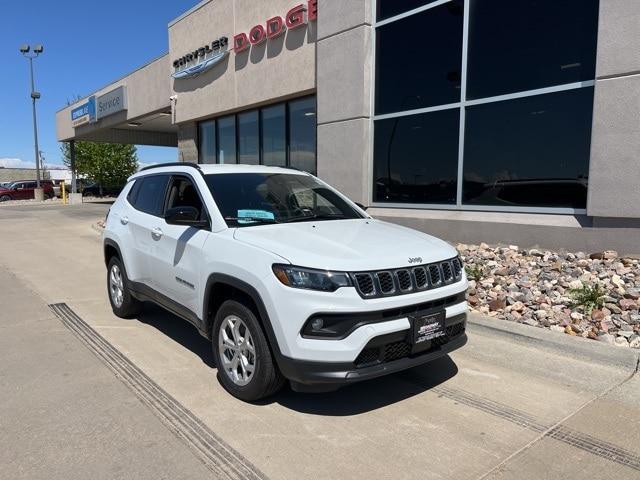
23 190
94 190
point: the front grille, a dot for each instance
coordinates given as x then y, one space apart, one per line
396 350
385 280
457 267
435 278
420 275
447 271
365 284
403 280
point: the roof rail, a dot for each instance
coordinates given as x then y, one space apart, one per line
172 164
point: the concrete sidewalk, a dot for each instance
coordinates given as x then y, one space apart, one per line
64 415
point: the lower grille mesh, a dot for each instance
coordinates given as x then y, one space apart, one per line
402 349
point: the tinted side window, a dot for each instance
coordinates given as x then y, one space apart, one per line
150 197
133 193
183 193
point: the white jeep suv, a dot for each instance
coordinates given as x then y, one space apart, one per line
287 277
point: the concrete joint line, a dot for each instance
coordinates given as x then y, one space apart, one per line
619 75
216 454
582 441
363 24
342 120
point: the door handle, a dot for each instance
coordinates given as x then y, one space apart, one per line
124 220
156 233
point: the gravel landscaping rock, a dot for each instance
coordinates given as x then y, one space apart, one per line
595 295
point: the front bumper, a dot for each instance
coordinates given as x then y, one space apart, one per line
328 375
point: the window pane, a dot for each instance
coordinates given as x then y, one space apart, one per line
274 136
302 134
150 197
227 140
532 151
418 60
207 139
248 146
416 158
529 44
390 8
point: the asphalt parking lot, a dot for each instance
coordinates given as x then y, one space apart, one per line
505 406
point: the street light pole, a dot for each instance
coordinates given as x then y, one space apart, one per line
37 50
35 124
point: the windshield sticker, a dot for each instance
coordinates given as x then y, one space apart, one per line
250 216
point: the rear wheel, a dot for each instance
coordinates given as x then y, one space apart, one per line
123 304
246 368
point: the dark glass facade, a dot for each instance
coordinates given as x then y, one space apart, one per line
419 153
418 60
283 134
476 130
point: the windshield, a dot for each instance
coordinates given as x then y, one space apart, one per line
249 199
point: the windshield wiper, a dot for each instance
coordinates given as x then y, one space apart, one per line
315 217
250 220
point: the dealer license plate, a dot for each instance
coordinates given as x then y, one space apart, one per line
426 328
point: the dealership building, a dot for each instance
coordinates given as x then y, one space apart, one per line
476 120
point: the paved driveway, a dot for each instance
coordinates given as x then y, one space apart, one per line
501 407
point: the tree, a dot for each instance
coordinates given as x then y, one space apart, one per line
108 164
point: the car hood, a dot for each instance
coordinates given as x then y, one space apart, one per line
349 245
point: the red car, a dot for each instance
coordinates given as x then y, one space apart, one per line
23 190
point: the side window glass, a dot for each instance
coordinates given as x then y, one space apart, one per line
133 193
150 197
183 193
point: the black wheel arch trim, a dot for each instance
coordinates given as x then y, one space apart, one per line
249 290
110 243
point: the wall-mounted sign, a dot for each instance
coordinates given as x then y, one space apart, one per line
111 102
204 58
297 17
200 60
85 113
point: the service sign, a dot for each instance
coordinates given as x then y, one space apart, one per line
112 102
85 113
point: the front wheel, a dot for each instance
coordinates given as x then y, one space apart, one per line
123 304
246 368
5 198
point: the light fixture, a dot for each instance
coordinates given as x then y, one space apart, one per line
38 48
166 114
25 48
134 124
310 114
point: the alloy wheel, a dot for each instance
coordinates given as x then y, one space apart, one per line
116 286
236 350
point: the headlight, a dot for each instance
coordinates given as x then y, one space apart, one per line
323 280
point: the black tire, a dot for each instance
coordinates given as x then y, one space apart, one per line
266 379
5 198
130 306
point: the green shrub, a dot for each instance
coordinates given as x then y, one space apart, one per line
474 272
588 297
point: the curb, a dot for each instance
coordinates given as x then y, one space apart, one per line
577 347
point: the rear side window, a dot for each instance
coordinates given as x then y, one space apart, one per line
149 197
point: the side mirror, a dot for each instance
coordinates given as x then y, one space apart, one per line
185 216
361 206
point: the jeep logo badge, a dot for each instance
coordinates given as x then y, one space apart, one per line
415 260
